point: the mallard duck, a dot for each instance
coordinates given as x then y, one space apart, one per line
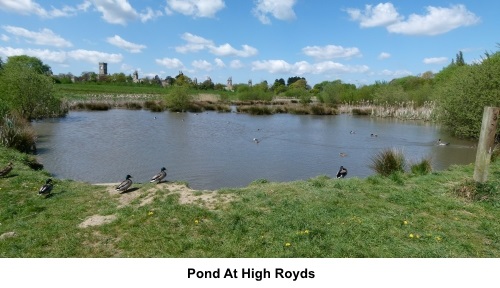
256 140
342 172
158 177
46 189
342 154
125 184
441 143
6 170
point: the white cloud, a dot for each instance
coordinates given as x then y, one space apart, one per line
195 8
219 63
381 15
330 52
129 46
279 9
196 43
44 37
121 12
438 20
236 64
436 60
42 54
94 56
228 50
303 67
202 65
170 63
29 7
4 38
396 74
384 55
150 14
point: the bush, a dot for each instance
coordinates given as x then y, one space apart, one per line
179 99
421 168
388 161
17 133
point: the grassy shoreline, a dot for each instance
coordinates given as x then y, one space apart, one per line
443 214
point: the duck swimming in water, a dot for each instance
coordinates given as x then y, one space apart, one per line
46 189
125 184
158 177
6 170
441 143
342 172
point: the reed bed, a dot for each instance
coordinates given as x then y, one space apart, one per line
402 110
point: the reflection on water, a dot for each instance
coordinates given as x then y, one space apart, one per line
214 150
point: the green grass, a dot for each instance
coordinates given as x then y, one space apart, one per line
404 216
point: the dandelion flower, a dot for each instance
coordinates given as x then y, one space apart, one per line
287 244
411 235
405 222
196 221
306 231
150 213
438 238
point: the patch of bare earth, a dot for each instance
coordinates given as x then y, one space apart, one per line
146 195
97 220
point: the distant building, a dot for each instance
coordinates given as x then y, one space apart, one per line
103 69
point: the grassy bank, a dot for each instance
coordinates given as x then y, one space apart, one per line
443 214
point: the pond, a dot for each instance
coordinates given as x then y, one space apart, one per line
213 150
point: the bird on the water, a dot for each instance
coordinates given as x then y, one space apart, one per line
46 189
441 143
160 176
125 184
342 172
6 170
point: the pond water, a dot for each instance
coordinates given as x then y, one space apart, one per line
213 150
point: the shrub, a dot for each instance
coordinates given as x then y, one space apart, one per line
421 168
16 132
388 161
179 100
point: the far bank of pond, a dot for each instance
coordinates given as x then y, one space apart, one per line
211 150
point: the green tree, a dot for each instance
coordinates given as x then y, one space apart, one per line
29 62
464 95
27 89
179 99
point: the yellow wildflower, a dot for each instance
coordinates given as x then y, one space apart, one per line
411 235
438 238
196 221
405 222
150 213
287 244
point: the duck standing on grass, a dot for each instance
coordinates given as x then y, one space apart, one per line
160 176
6 170
46 189
124 185
342 172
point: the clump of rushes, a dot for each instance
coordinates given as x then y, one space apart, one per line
388 161
421 168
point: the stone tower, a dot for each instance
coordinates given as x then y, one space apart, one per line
103 68
229 85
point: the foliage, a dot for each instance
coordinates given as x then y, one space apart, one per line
179 99
421 168
27 91
250 93
17 133
388 161
463 97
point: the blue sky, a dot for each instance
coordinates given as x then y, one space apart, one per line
358 42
